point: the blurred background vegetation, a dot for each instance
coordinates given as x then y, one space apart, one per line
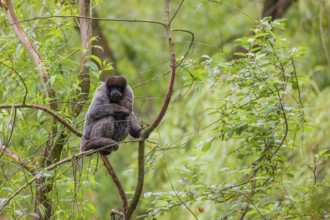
182 157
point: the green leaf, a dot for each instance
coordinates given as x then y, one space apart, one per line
96 59
52 79
322 152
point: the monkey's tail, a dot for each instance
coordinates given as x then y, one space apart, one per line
97 143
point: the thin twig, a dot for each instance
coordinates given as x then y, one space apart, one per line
20 77
286 124
50 167
32 51
16 158
47 110
253 181
175 192
235 8
86 17
11 125
176 11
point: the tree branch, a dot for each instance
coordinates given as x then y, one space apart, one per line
85 26
86 17
32 51
115 179
167 25
16 158
50 167
155 123
140 181
41 194
47 110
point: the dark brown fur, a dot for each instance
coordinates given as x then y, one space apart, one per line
108 119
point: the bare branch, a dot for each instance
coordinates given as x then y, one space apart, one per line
86 17
115 179
155 123
140 181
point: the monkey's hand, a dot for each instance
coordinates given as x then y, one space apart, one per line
96 112
121 112
134 128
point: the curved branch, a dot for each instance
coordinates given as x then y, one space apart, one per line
176 11
140 181
155 123
115 179
145 133
286 124
47 110
20 77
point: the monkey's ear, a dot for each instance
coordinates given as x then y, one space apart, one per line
116 81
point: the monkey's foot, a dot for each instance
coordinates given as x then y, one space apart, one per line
108 151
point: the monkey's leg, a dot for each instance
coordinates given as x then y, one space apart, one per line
100 142
102 135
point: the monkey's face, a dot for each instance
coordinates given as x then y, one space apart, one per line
116 94
116 88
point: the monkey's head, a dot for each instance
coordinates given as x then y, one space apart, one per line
116 86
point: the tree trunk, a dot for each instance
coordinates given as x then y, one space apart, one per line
275 8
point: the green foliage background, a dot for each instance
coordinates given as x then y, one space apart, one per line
222 117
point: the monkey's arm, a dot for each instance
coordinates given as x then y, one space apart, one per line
134 128
99 111
100 106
